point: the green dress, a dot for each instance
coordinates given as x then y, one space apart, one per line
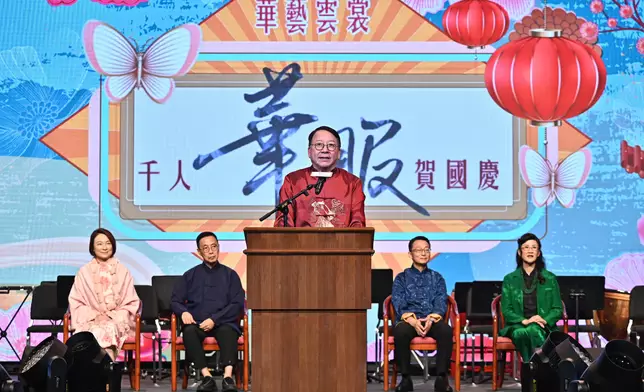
528 338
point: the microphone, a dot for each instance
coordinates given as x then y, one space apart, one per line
322 177
319 185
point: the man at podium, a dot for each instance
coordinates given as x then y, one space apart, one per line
338 199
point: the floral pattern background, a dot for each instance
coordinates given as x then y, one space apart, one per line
47 212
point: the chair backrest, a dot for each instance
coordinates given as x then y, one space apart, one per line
64 284
636 307
149 302
163 287
451 308
462 292
381 285
44 303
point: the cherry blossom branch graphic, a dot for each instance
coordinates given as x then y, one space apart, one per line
629 13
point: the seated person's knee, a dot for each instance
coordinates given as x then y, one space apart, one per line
190 329
403 330
520 335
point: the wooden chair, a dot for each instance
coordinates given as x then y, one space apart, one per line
423 344
130 345
504 344
209 344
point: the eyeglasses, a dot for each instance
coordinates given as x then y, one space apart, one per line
320 146
212 248
421 251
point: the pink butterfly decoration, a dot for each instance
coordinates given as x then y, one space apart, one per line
548 182
171 55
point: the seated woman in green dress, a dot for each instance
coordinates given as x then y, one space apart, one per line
531 302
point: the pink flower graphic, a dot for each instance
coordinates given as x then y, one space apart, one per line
596 6
625 272
626 11
588 30
612 23
640 49
61 2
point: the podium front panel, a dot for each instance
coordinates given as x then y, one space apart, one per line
309 351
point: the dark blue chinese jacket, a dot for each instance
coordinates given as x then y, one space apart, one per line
421 293
214 293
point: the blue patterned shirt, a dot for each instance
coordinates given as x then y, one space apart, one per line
421 293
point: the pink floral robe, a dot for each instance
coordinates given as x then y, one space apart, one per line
103 301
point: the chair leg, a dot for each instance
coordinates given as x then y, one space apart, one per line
237 370
186 372
246 372
457 370
137 370
385 370
173 370
494 367
502 372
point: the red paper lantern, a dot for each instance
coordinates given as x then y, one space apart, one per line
545 78
475 23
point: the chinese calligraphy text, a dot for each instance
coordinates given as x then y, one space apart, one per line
377 184
266 15
268 132
456 174
149 172
297 17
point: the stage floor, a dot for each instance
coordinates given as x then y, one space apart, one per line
419 385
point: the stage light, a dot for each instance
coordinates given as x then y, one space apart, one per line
43 368
7 384
618 368
89 365
559 361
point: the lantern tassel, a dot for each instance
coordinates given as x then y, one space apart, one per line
552 145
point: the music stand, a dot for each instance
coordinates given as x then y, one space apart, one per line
584 294
382 281
64 284
462 295
479 310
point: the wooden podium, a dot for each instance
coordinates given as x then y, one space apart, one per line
309 290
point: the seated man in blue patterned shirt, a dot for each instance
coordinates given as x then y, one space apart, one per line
419 296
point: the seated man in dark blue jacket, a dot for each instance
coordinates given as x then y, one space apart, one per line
209 298
419 296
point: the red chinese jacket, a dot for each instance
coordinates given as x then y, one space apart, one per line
340 204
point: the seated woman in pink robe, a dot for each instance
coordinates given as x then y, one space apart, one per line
103 300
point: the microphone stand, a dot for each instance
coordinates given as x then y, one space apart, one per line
283 206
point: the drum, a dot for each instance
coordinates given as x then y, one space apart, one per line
613 319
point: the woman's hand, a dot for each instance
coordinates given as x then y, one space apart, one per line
102 317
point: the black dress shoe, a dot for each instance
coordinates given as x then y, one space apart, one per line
405 385
207 385
442 384
228 385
